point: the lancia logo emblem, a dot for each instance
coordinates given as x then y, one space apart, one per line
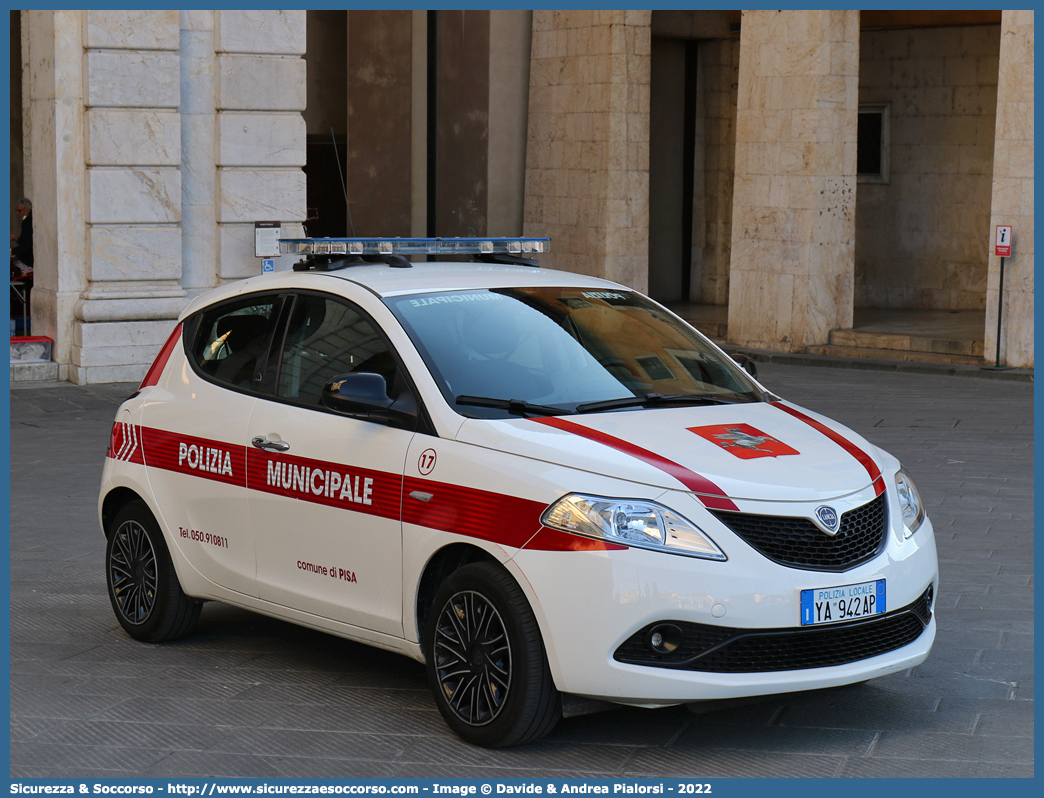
828 519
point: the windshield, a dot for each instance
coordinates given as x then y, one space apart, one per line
563 349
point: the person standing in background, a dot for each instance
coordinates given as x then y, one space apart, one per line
22 244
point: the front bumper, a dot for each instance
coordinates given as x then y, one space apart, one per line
590 604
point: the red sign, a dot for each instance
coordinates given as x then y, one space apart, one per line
1002 244
743 440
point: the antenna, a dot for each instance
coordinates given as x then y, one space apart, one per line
344 188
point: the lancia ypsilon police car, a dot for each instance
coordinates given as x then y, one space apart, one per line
543 485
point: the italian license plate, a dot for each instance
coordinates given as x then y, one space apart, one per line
824 605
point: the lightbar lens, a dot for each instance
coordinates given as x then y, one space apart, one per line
414 246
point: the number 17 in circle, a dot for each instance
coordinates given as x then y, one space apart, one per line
426 463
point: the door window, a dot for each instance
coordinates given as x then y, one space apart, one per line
231 338
325 339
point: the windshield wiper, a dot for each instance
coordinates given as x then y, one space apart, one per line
656 400
519 407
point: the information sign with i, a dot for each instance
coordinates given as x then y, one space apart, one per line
1002 243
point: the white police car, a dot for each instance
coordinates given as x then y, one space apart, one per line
541 484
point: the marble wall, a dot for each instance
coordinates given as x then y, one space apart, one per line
793 220
157 138
199 141
921 237
132 143
1013 194
587 163
53 107
261 138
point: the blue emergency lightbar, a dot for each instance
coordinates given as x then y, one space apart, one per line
414 246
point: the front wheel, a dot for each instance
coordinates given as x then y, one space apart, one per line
143 586
486 660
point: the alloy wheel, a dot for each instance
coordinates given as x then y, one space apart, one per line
132 572
472 658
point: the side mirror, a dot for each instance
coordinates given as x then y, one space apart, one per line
746 362
365 396
357 394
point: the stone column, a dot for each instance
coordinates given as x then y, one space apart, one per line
462 122
133 148
510 36
418 123
260 147
380 114
793 221
27 140
54 59
105 140
716 78
198 168
1012 202
587 163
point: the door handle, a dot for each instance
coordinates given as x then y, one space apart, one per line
270 445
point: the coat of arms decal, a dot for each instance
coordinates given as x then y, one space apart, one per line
744 441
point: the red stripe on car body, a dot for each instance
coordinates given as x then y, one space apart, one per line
507 520
556 540
154 372
864 459
125 443
361 490
214 460
706 491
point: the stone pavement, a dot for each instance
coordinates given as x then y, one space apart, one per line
249 696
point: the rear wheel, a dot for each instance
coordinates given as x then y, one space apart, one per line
143 586
486 660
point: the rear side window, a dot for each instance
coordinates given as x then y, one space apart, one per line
325 339
230 339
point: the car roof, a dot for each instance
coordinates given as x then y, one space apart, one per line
389 281
429 277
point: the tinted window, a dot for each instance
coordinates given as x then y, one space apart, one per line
231 338
562 347
325 339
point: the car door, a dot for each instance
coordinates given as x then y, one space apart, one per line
194 433
325 489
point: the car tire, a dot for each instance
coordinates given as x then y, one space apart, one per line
486 661
143 586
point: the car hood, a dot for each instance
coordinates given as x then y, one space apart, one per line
769 451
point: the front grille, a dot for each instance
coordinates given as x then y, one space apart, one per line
799 543
719 649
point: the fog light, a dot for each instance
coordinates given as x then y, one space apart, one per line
664 638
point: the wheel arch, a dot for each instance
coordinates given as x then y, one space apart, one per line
439 566
115 500
484 633
140 573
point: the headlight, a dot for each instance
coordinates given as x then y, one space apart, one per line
909 502
632 522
